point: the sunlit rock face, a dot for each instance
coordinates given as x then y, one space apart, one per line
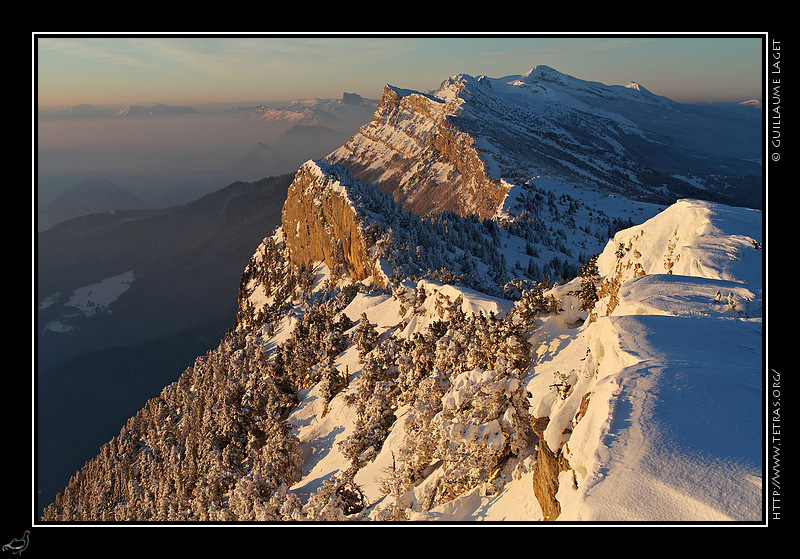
320 224
412 149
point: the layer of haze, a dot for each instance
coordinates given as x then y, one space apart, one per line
149 156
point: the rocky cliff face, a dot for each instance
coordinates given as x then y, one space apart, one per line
412 149
321 224
463 146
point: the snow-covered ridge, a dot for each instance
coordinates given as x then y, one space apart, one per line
691 239
661 421
658 410
546 122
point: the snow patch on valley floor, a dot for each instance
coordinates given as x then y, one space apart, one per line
89 300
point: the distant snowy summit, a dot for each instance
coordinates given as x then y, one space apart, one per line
546 78
333 113
88 111
80 111
752 103
309 111
641 89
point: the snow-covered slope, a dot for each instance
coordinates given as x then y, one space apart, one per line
658 412
673 373
391 365
651 400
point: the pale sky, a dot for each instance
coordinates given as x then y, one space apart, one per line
181 69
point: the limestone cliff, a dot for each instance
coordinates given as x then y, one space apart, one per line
320 222
413 149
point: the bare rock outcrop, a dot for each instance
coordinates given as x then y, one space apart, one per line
412 149
549 464
320 222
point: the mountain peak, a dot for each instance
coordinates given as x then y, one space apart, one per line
635 86
412 149
542 70
461 135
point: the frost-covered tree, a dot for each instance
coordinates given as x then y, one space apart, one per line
533 302
483 422
335 500
374 420
590 278
365 336
419 449
332 382
393 486
473 421
213 439
414 366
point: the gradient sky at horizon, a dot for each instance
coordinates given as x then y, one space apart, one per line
188 70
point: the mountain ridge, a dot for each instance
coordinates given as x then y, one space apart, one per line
88 197
543 123
399 361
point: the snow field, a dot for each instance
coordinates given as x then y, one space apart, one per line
671 431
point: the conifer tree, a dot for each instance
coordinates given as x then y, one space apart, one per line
365 336
331 383
590 277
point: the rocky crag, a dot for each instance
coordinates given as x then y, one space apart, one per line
415 152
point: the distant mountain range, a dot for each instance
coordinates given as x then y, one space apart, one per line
303 111
88 197
292 133
159 109
85 110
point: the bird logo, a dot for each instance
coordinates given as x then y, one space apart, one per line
18 545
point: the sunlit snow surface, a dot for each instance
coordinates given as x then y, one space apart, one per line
674 373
